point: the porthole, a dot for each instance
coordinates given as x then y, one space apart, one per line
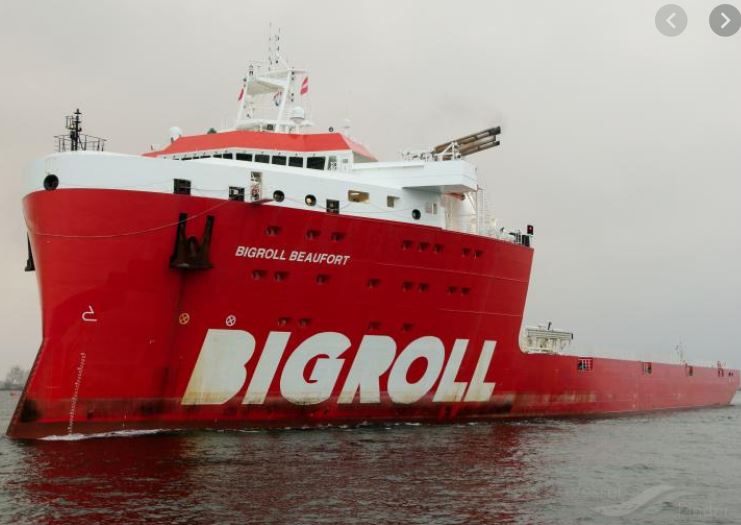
416 215
51 182
310 200
278 196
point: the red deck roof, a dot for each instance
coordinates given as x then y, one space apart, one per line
263 140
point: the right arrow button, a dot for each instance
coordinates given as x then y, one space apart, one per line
725 20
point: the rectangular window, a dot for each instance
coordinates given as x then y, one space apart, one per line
392 201
333 206
262 158
647 368
244 156
332 163
256 176
279 159
357 196
218 156
296 162
228 155
181 187
431 207
584 364
315 163
236 193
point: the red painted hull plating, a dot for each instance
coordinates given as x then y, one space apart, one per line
122 331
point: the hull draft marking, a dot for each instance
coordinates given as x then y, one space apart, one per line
76 392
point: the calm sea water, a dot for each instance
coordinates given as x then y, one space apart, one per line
680 467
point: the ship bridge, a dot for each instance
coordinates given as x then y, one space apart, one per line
332 171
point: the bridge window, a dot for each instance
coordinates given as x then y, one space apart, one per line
296 162
244 156
228 155
357 196
315 163
262 158
279 159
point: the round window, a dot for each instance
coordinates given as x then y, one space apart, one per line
310 200
51 182
278 196
416 214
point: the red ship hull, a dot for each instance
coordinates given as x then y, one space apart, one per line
131 343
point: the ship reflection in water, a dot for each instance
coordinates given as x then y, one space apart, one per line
555 471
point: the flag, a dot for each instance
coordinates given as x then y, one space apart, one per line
241 93
304 86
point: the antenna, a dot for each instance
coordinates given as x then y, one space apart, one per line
679 349
74 139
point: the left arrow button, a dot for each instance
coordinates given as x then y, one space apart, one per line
671 20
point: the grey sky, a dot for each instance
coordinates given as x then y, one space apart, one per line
620 145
